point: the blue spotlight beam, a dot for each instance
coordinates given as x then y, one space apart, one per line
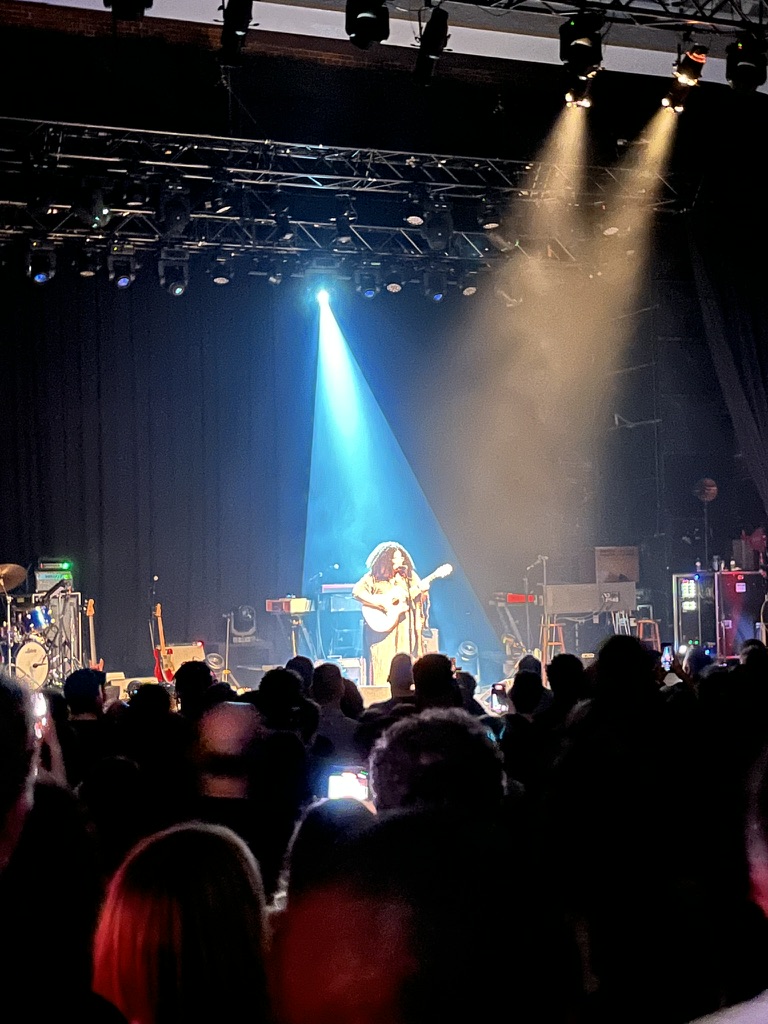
362 491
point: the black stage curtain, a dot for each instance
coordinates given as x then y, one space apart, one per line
141 437
730 280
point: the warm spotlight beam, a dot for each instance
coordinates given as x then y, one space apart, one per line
362 491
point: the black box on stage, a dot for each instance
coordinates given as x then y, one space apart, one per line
717 611
351 668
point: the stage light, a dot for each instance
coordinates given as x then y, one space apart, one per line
121 267
93 209
468 283
127 10
279 210
434 39
244 621
746 63
366 22
41 262
394 279
581 44
435 284
438 226
367 282
686 74
489 217
174 212
135 196
578 92
344 218
581 50
173 271
222 270
238 15
275 273
88 263
415 208
690 65
323 296
220 202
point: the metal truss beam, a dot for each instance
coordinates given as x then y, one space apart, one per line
714 16
46 169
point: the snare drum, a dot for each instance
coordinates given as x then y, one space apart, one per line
37 619
32 663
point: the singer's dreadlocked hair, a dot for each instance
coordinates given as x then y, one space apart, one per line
380 560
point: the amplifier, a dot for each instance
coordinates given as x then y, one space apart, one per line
186 652
717 611
289 605
353 668
430 641
343 603
590 598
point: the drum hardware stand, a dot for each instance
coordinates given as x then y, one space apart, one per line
8 633
226 675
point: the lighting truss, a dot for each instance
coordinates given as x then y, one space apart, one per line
715 16
42 164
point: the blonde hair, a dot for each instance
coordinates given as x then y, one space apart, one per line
181 934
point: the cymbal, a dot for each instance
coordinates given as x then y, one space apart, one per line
11 576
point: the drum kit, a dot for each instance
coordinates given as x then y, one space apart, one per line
34 642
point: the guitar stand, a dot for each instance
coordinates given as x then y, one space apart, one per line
299 628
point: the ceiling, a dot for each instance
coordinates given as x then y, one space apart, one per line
641 36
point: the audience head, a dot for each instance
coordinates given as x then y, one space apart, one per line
279 688
17 757
181 932
434 683
151 701
439 758
406 888
755 659
528 663
352 703
565 674
750 644
318 839
624 672
84 691
757 831
226 734
695 661
192 679
467 683
303 668
328 685
525 692
400 676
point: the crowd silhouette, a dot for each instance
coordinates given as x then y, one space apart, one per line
597 853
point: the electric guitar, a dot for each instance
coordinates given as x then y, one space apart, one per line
164 667
93 661
397 600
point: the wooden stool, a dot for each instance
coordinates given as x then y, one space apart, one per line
552 641
648 630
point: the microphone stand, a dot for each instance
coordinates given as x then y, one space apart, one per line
8 633
152 594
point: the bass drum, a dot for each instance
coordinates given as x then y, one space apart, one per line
32 663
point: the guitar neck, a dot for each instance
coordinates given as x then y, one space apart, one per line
92 638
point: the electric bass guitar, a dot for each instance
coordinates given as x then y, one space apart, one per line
164 667
93 661
396 601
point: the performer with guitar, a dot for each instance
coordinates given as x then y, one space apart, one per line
395 604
